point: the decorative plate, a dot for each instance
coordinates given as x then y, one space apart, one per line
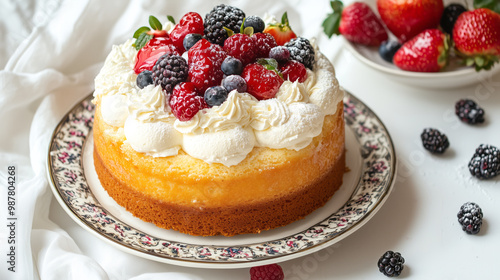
371 160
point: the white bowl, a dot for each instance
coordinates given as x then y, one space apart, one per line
453 76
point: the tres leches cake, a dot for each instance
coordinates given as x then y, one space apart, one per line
221 126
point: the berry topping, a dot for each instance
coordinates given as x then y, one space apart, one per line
144 79
263 42
232 66
485 163
234 82
450 15
263 79
294 71
222 16
190 40
359 24
255 22
144 34
189 23
169 71
149 54
470 217
468 111
215 96
185 102
242 47
434 141
302 51
426 52
282 32
205 60
267 272
387 49
391 264
280 53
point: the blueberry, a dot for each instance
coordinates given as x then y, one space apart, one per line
234 82
387 49
280 53
190 40
450 15
144 79
215 96
256 22
232 66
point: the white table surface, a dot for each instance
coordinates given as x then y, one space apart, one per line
418 219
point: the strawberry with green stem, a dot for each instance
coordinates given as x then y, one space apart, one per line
281 31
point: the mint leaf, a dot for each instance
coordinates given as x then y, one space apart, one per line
493 5
332 21
142 40
155 23
141 30
171 19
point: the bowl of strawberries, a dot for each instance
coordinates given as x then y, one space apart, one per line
427 43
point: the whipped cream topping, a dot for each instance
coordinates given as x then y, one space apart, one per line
222 134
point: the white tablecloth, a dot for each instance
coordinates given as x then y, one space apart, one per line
50 53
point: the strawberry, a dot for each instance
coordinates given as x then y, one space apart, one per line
407 18
186 102
294 71
144 33
242 47
477 38
267 272
189 23
263 79
426 52
205 60
282 32
149 54
357 23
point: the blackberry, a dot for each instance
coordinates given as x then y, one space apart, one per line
391 264
144 79
434 141
450 15
485 162
222 16
468 111
302 51
169 71
470 217
255 22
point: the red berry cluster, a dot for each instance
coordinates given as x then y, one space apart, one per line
252 59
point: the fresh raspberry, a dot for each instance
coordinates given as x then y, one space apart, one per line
205 60
294 71
190 23
242 47
149 54
185 101
267 272
261 82
264 42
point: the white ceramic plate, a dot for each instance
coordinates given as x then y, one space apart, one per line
453 76
370 157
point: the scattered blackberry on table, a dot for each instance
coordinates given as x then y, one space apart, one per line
190 40
255 22
301 50
169 71
391 264
232 66
234 82
387 49
144 79
267 272
280 53
485 163
222 16
468 111
450 15
434 141
215 96
470 217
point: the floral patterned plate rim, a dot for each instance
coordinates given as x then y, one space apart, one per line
70 187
